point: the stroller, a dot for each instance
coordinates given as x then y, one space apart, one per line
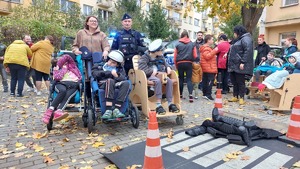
94 100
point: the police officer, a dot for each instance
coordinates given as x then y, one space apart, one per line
128 41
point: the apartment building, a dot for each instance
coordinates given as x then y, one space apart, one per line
282 21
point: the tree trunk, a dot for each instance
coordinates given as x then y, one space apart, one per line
251 15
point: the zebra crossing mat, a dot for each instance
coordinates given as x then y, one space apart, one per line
204 151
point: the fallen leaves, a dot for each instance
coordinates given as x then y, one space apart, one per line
111 166
37 148
49 160
66 140
19 154
4 157
45 154
83 147
297 164
66 166
234 155
134 166
98 144
37 135
115 148
25 106
170 134
19 144
185 149
245 158
290 146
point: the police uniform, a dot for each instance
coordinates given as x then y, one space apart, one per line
128 41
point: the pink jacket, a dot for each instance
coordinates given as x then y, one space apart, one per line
223 48
71 66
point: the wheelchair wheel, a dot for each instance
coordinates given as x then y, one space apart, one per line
85 121
135 116
90 123
179 120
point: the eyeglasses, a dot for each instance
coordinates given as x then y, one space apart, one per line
93 21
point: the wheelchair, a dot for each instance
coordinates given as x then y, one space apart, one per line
76 99
95 101
141 96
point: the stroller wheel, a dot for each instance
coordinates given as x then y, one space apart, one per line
179 120
84 120
135 116
90 123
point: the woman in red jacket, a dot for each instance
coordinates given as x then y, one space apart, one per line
208 63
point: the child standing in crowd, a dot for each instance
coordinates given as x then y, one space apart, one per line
154 65
110 76
68 78
196 78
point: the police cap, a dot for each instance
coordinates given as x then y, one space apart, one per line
126 16
156 45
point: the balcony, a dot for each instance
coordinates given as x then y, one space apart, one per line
204 29
174 5
177 6
204 17
104 3
5 8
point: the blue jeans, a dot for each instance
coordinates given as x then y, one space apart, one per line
17 73
4 77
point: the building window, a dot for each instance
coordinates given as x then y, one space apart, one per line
87 10
190 33
65 5
147 6
290 2
15 1
190 20
196 22
285 35
166 12
195 35
138 3
104 14
176 15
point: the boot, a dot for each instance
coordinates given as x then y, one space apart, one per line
230 120
234 99
245 135
199 130
241 101
215 114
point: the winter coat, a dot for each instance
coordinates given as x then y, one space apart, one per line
185 51
100 74
70 66
208 59
17 53
288 51
41 58
241 52
146 64
197 73
198 45
276 79
96 42
262 51
223 48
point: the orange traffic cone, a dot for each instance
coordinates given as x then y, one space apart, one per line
153 156
293 133
219 102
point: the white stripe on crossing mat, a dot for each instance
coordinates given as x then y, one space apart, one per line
254 153
218 155
177 137
187 143
276 160
203 148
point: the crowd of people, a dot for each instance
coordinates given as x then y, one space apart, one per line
198 64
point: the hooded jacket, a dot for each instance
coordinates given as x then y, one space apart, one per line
17 53
241 52
41 58
71 66
197 73
96 42
262 51
223 48
208 59
185 51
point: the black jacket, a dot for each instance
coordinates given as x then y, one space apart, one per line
99 74
262 51
241 52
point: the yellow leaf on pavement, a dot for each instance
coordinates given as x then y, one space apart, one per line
135 166
86 167
21 148
98 144
186 149
297 164
83 147
115 148
66 140
170 134
66 166
37 135
74 161
111 166
21 134
290 146
81 152
49 160
25 106
45 154
4 157
231 155
19 144
28 155
196 115
38 148
226 159
19 154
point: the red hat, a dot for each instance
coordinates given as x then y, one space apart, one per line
261 87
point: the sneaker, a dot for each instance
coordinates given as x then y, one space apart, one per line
210 97
47 116
181 97
234 99
38 93
59 115
12 94
191 99
242 102
5 90
19 95
107 115
160 110
173 108
196 98
31 89
117 113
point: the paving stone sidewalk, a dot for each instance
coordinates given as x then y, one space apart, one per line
22 141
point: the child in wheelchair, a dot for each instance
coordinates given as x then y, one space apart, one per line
67 78
111 76
156 70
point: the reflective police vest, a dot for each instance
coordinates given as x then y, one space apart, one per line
128 43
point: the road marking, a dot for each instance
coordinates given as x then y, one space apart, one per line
276 160
217 155
187 143
195 151
177 137
254 153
